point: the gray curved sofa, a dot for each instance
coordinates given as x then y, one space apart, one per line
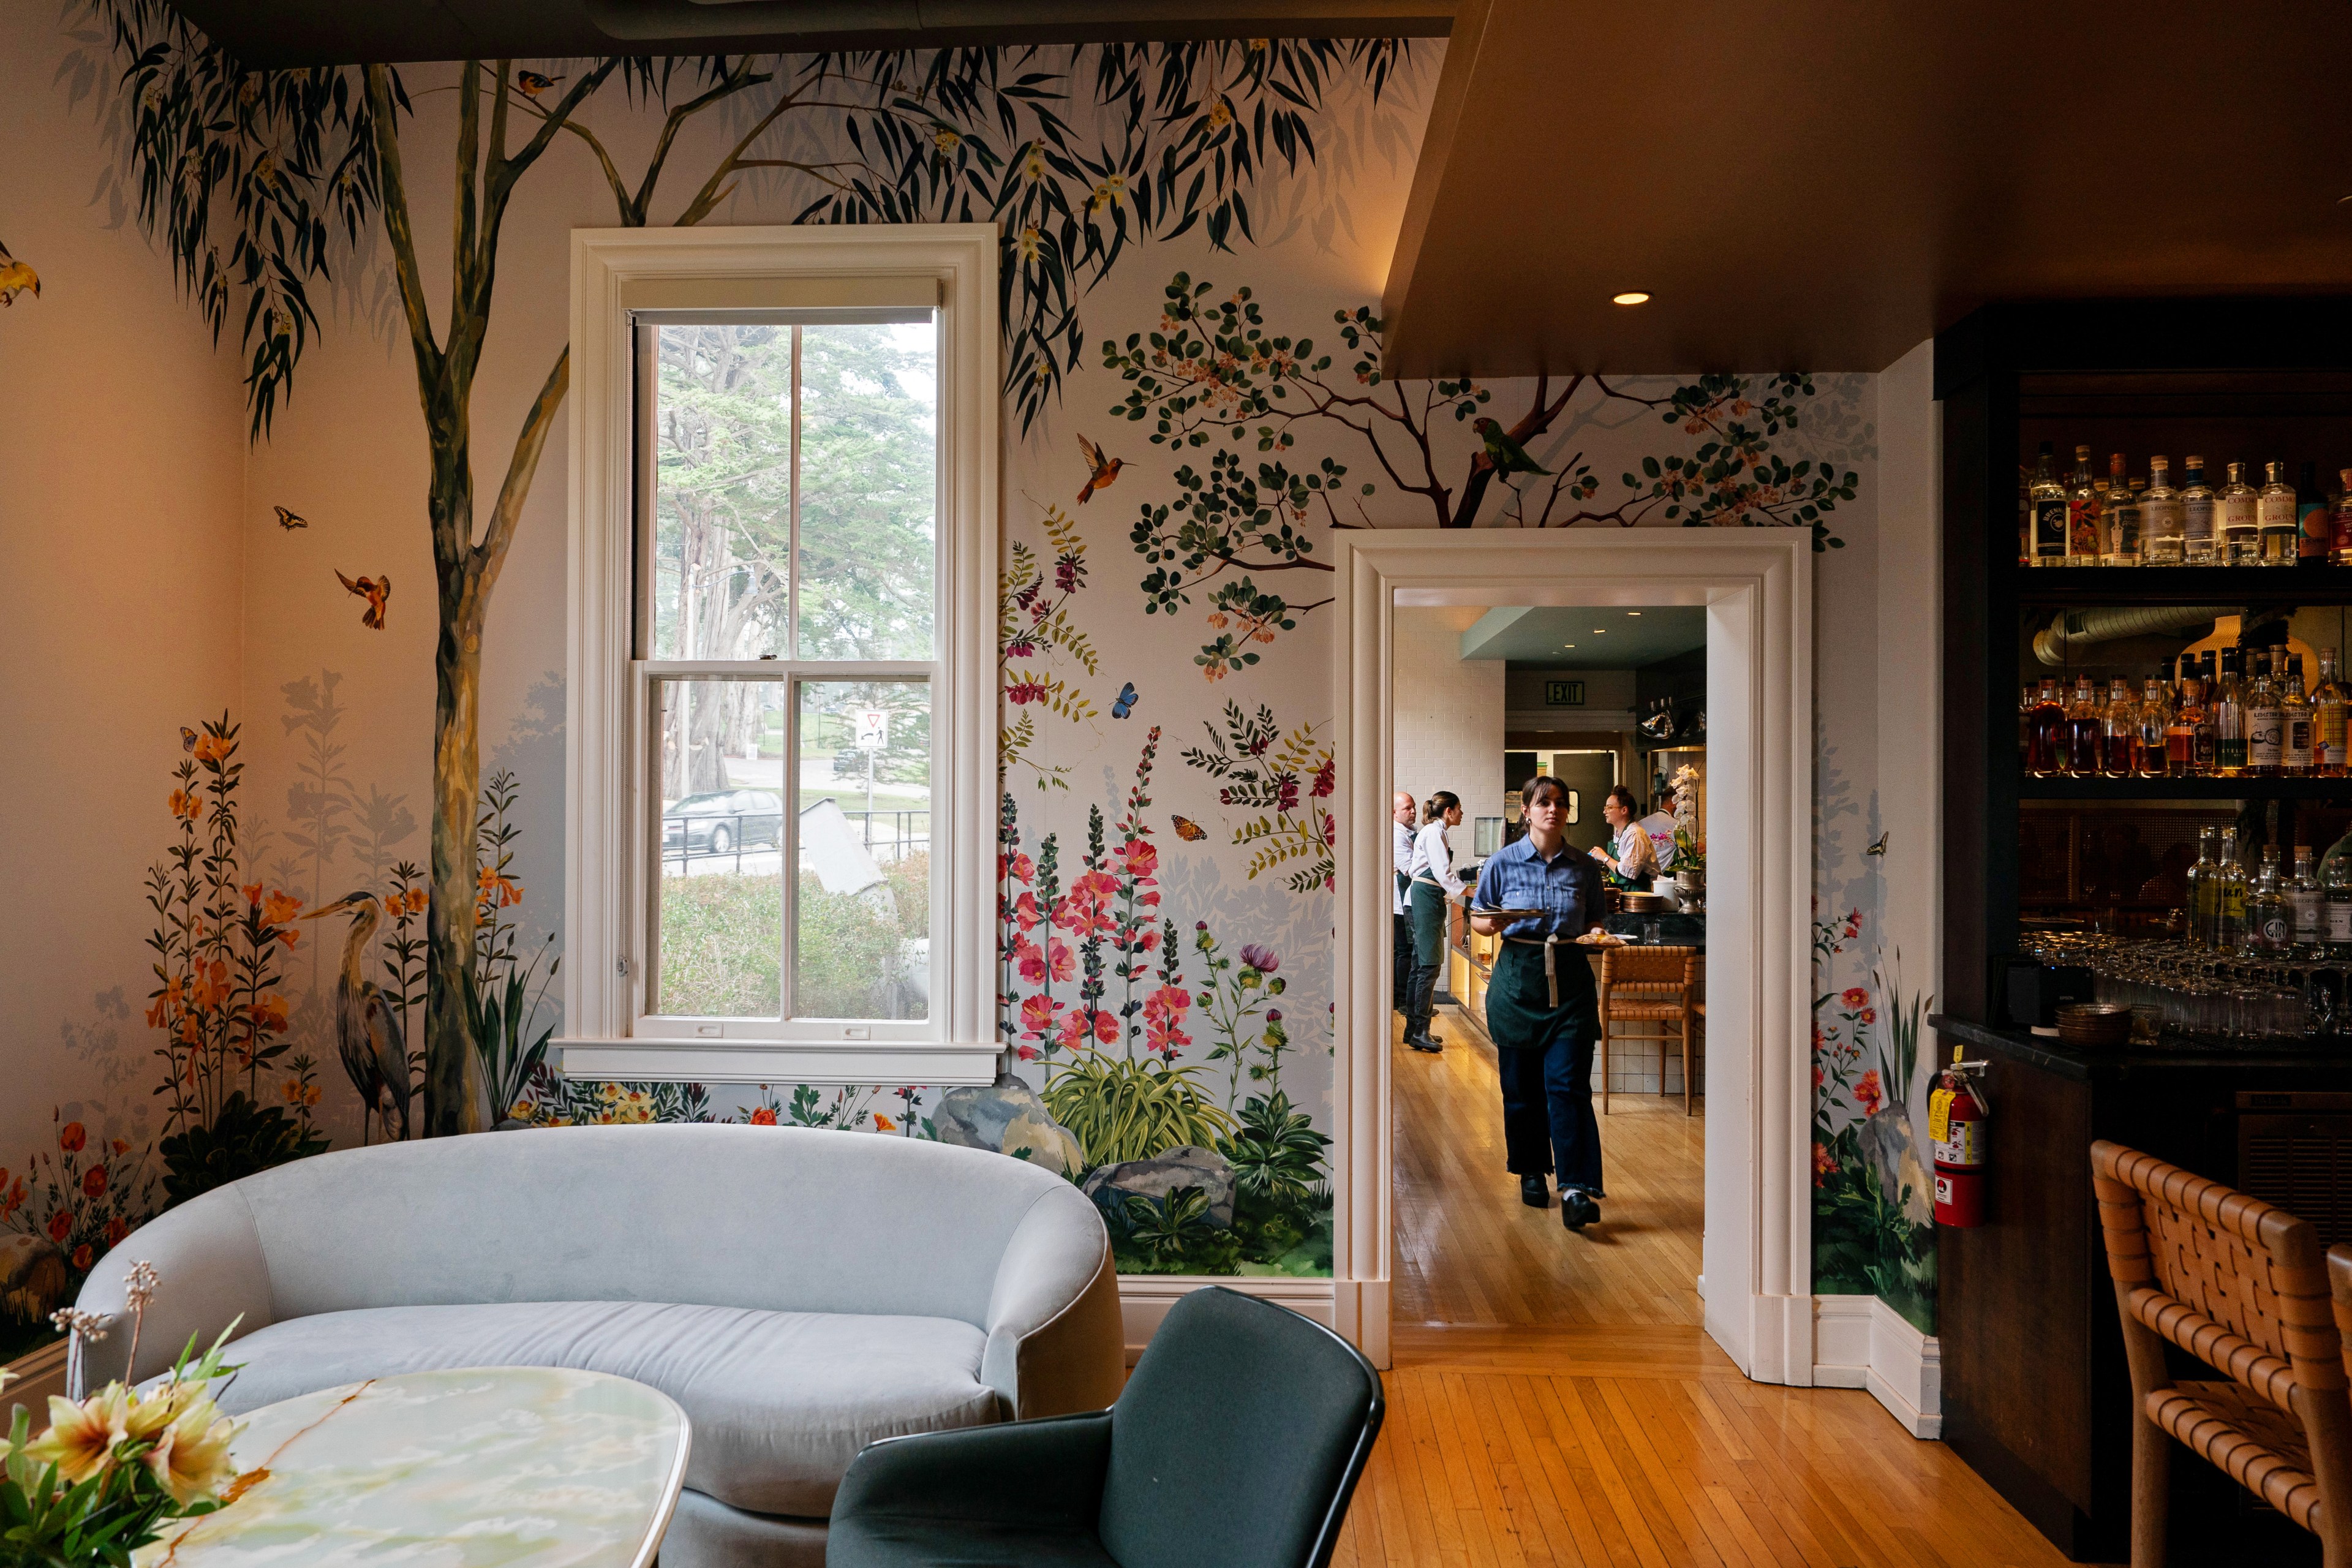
799 1292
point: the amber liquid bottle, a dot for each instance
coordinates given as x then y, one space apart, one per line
2086 730
2046 732
2188 718
2147 759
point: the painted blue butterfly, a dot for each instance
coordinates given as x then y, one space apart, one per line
1126 703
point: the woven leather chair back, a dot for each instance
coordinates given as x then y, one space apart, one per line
1667 968
2240 1284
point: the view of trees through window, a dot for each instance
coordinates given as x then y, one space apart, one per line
795 512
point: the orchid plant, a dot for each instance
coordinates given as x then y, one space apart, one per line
1690 849
109 1473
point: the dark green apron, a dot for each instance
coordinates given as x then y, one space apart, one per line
1521 1013
1428 924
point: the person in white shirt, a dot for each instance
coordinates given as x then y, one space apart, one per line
1401 814
1660 825
1628 855
1433 884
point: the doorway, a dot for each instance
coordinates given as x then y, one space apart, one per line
1755 587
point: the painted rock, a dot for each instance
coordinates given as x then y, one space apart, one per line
1008 1118
1186 1166
1893 1150
32 1279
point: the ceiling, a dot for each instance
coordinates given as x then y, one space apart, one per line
1822 184
282 33
1603 638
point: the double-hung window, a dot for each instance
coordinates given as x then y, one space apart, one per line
782 736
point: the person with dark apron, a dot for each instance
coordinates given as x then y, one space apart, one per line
1402 811
1539 895
1433 883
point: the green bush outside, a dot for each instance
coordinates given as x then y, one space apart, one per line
722 946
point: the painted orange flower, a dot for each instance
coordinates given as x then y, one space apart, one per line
416 900
214 748
209 986
60 1226
116 1229
121 1145
93 1181
1856 996
496 891
71 1137
1867 1094
252 892
186 804
268 1013
279 907
1824 1162
764 1117
83 1256
884 1124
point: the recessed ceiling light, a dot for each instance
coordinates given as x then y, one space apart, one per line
1600 631
1632 612
1631 297
1567 645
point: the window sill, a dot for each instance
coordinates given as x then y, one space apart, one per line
778 1061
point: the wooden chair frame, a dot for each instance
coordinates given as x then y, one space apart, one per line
2240 1284
1658 982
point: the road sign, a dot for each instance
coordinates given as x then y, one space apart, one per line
872 727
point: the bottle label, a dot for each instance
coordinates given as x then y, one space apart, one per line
2274 512
2049 529
2265 737
2236 514
2082 530
2274 935
2317 530
2306 904
2230 751
2298 738
2339 920
2331 734
2197 520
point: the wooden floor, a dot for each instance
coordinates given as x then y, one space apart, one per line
1554 1401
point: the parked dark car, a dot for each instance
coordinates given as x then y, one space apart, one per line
722 821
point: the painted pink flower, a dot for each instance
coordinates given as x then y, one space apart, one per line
1870 1014
1326 779
1017 866
1286 792
1137 857
1038 1017
1074 1028
1087 906
1052 962
1819 1078
1856 996
1023 692
1024 912
1026 1053
1867 1094
1824 1162
1163 1016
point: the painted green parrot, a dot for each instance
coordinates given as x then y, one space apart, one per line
1508 456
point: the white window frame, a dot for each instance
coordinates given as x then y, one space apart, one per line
607 843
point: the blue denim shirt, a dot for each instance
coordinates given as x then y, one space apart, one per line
1567 886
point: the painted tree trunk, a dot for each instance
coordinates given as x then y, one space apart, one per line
456 1089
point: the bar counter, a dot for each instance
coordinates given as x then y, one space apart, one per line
2036 1397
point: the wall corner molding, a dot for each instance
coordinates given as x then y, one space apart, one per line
1860 1342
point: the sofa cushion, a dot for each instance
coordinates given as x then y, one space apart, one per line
781 1401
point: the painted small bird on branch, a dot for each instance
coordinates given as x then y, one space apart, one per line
374 590
1506 454
1100 470
289 519
16 278
533 84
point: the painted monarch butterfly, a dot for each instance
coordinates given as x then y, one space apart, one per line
1126 702
1190 831
290 520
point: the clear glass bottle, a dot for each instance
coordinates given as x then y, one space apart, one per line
2086 528
2201 885
2025 516
2230 898
2049 504
2270 920
2118 731
2228 708
2315 525
2086 730
2340 503
2265 739
2302 903
2237 532
2161 522
2332 706
2275 518
2294 723
2147 760
2198 541
2335 904
2046 732
2122 517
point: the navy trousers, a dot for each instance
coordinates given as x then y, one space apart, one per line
1544 1054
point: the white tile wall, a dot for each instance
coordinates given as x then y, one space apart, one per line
1448 715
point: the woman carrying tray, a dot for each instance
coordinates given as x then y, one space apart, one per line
1540 896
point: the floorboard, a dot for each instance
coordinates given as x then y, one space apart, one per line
1555 1403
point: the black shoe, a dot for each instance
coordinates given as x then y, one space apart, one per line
1534 1192
1424 1043
1577 1208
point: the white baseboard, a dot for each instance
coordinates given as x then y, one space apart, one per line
42 1372
1145 1299
1860 1342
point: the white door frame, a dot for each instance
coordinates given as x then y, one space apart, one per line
1756 586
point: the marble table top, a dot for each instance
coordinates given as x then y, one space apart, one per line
535 1466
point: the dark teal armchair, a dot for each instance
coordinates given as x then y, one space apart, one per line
1237 1442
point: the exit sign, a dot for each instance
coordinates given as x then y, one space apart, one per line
1564 694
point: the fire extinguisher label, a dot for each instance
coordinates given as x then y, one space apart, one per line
1943 1189
1939 1111
1961 1143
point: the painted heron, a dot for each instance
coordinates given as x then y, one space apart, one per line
367 1023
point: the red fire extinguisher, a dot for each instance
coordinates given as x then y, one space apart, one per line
1957 1114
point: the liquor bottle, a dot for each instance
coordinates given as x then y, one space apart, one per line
2119 732
2086 730
2045 737
2269 921
2265 740
2329 704
2161 520
2187 718
2342 508
2302 903
2049 512
2197 540
2201 887
2025 516
2236 531
2123 517
2203 737
2228 708
2335 904
2230 898
2274 519
2024 724
2294 723
2086 528
2314 524
2147 758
